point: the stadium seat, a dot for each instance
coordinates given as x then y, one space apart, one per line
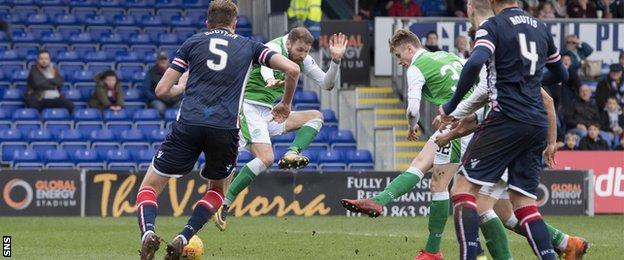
87 159
53 11
151 20
118 126
341 137
39 30
102 148
329 118
184 33
171 114
132 95
360 160
57 158
5 114
81 13
87 127
165 3
123 20
111 38
56 127
195 14
81 38
305 97
25 11
167 13
72 147
158 135
27 51
137 3
56 114
118 155
168 38
21 75
65 19
40 135
244 157
26 114
95 67
96 32
285 138
133 106
97 56
41 147
132 135
145 156
55 49
135 147
70 135
82 3
83 76
102 135
120 115
143 50
20 37
243 26
332 161
68 56
139 13
312 155
8 149
25 156
73 95
84 49
13 95
109 3
37 18
95 20
146 115
321 137
140 38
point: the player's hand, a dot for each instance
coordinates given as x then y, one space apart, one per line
338 46
549 155
274 83
280 112
412 134
445 118
443 139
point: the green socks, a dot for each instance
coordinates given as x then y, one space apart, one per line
494 234
306 135
243 179
438 214
400 185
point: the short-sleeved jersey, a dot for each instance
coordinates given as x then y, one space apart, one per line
441 71
521 46
219 63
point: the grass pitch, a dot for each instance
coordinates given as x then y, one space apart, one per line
278 238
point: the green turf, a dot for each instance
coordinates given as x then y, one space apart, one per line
277 238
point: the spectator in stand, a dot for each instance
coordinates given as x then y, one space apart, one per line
434 8
151 80
368 9
577 50
583 113
108 92
457 7
581 9
44 81
546 11
6 28
622 58
612 120
593 142
403 8
461 47
611 9
560 7
611 86
431 44
530 6
569 89
570 142
620 146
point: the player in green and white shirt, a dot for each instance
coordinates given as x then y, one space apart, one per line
432 76
264 87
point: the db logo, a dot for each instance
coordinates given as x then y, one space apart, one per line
17 183
610 184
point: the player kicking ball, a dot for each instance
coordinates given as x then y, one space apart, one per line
208 120
264 87
513 136
432 75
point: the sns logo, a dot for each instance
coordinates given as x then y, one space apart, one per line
6 246
610 184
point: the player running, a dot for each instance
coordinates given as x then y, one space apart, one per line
264 87
432 75
208 120
514 134
493 202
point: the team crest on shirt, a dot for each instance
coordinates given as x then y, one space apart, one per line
255 132
480 33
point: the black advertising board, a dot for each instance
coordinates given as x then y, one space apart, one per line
564 193
40 193
355 65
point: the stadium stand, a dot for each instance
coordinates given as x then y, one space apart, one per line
89 37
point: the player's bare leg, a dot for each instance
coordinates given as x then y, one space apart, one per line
308 123
264 159
402 184
220 217
567 246
147 206
205 207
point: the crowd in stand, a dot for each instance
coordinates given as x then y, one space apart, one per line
543 9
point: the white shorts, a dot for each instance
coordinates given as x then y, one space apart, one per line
452 152
499 190
257 125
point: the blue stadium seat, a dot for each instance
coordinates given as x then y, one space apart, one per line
102 148
13 95
83 76
196 15
158 135
81 13
113 50
132 135
151 20
143 50
8 149
109 3
73 95
5 114
87 127
171 114
41 147
26 114
27 51
56 159
85 90
139 13
132 95
25 11
321 137
53 11
82 3
39 30
56 114
118 126
342 137
145 156
184 33
96 67
285 138
360 160
329 118
85 157
127 32
305 97
84 49
68 56
244 157
133 106
95 19
146 115
96 32
56 127
167 13
25 156
127 70
120 115
243 26
65 19
55 49
168 38
137 3
21 75
40 135
83 37
111 38
70 135
98 56
49 3
312 155
140 38
134 148
11 135
38 18
73 146
123 20
332 161
118 155
68 68
166 3
20 37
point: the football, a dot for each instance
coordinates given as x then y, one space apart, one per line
194 250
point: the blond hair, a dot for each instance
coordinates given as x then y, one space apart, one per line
403 36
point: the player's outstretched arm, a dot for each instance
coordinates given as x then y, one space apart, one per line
551 147
337 48
267 73
459 128
476 100
467 77
165 88
291 70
